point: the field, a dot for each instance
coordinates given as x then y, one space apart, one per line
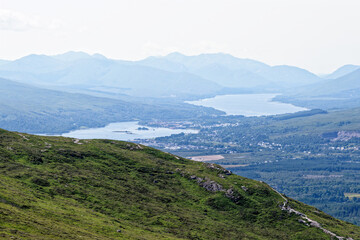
207 158
352 195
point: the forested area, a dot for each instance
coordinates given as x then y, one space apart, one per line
314 158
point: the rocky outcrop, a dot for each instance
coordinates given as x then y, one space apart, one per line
211 186
218 168
234 195
134 146
306 220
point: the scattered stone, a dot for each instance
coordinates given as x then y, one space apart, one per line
77 141
306 220
216 167
24 137
244 188
211 186
134 147
199 180
119 231
303 221
233 195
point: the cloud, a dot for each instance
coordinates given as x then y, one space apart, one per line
16 21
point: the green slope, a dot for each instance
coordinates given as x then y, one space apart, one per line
31 109
62 188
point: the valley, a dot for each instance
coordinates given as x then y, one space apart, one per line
179 120
303 155
305 149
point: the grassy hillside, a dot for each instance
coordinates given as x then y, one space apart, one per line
312 156
62 188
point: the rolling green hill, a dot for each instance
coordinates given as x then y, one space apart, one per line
31 109
63 188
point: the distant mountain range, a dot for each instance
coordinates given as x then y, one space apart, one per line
163 82
338 93
174 75
229 71
347 82
342 71
80 70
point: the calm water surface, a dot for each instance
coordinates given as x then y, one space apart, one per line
125 131
248 104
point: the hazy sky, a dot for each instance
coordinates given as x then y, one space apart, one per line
319 35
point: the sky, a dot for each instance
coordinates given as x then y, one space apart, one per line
318 35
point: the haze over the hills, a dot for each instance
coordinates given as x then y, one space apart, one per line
241 119
177 77
172 75
316 35
342 71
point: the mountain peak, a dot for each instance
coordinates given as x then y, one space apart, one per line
175 54
77 55
342 71
72 56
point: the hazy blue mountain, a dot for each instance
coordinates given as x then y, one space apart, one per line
289 76
347 82
85 71
33 64
147 81
73 56
3 61
163 64
224 69
342 71
333 87
340 93
133 79
236 78
174 75
202 60
235 72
